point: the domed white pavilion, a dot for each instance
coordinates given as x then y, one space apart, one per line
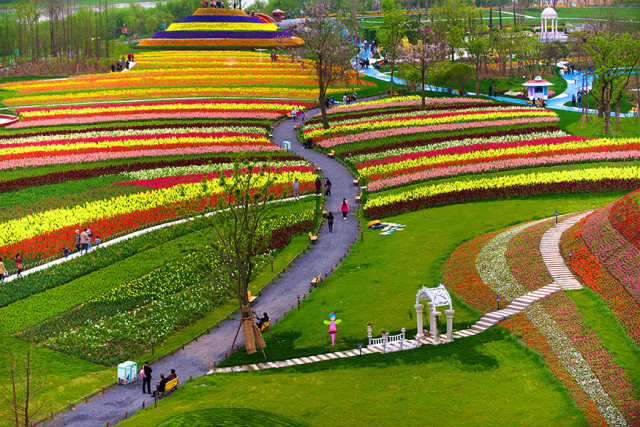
549 15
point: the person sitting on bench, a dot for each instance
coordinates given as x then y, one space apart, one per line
171 376
161 387
262 321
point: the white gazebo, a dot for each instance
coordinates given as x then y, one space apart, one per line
538 88
439 297
549 14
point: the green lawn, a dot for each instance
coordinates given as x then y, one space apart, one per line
383 390
628 128
69 379
378 281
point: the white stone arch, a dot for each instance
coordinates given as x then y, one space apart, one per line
438 297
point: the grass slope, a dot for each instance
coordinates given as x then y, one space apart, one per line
378 281
512 386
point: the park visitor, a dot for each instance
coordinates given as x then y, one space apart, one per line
262 321
65 251
573 100
296 186
146 377
344 208
89 235
84 241
172 375
3 271
327 187
77 241
318 185
98 241
19 265
330 222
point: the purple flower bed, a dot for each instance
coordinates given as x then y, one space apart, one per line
222 34
617 254
224 18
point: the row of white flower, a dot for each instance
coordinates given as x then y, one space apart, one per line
420 113
193 169
460 143
494 271
133 132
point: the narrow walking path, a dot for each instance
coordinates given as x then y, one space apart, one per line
198 357
550 250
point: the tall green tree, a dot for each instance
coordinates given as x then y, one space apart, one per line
614 58
392 31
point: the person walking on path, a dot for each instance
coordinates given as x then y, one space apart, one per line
296 187
344 208
573 100
78 247
318 185
84 241
3 271
146 377
327 187
330 222
89 235
19 264
490 90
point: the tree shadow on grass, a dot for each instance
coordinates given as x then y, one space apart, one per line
464 352
236 417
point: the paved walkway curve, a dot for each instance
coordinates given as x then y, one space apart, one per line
550 251
198 358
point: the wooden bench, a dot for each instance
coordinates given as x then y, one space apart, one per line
252 298
529 102
539 103
359 198
167 387
312 237
324 212
356 182
316 280
332 153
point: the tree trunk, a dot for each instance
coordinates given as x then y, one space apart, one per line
323 112
392 69
618 117
424 106
247 329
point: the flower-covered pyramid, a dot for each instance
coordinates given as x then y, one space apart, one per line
222 28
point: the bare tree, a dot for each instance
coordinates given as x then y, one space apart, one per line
244 201
327 42
26 380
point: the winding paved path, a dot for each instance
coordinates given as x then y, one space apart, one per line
198 357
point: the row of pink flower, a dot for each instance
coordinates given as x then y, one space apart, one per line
285 104
155 116
422 116
410 103
495 166
116 139
171 181
469 149
385 133
613 378
101 156
617 254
